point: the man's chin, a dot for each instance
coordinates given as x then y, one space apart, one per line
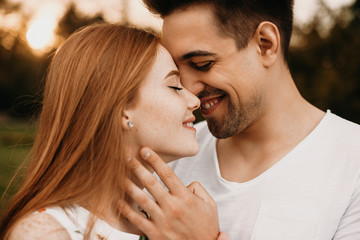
217 129
227 127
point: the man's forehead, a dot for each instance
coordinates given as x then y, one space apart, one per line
188 19
191 33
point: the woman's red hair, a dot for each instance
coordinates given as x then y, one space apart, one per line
78 153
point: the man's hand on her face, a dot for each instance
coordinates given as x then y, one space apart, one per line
180 213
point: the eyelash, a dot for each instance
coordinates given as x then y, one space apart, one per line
203 68
176 88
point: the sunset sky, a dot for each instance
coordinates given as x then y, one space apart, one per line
45 14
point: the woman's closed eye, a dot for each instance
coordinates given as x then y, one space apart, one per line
176 88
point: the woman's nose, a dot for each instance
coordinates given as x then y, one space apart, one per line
193 101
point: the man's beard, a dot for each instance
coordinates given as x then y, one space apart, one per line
238 117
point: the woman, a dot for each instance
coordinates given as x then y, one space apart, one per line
110 90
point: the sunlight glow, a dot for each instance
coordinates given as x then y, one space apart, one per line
40 34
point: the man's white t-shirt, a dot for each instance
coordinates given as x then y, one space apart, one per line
311 193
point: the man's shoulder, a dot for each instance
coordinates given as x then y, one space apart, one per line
339 136
345 122
343 127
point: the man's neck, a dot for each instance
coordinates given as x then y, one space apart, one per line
248 154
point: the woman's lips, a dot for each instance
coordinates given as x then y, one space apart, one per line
189 123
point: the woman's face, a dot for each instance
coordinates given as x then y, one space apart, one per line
163 113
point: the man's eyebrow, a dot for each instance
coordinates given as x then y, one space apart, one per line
171 73
196 53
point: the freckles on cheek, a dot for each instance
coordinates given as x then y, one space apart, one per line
152 118
160 115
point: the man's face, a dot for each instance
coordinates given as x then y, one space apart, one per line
227 81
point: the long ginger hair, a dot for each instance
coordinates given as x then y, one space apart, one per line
78 153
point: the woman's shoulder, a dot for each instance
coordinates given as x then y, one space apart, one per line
38 225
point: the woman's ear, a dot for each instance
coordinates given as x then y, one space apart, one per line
267 37
126 122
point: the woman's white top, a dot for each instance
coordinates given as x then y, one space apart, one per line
75 220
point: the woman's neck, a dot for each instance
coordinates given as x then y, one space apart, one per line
111 215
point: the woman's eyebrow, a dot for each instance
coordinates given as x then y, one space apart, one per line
171 73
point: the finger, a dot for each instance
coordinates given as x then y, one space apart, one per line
166 174
135 217
148 180
198 190
223 236
142 198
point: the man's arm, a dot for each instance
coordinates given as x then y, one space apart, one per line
180 213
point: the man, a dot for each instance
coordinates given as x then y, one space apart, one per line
276 166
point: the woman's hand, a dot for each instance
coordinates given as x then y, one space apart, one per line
180 213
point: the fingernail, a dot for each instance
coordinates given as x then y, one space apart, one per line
145 153
128 159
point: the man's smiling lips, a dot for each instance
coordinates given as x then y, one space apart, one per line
209 104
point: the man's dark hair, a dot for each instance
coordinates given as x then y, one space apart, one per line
238 18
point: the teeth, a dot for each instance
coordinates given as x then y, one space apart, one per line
189 124
209 104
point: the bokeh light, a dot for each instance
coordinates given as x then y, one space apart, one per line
40 34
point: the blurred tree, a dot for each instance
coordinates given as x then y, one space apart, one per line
18 67
21 72
327 68
73 20
8 7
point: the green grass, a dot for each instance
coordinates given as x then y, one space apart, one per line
16 139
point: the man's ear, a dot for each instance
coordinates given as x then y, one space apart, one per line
267 37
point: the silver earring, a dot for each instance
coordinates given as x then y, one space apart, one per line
131 124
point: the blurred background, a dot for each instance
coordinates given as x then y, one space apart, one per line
324 58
